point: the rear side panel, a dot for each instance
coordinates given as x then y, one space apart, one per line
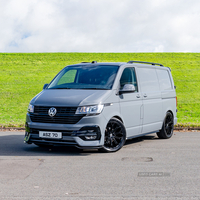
168 92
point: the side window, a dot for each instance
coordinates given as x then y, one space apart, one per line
128 77
68 77
164 79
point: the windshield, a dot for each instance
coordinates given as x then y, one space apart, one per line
85 77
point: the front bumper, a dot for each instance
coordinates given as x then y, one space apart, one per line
69 138
87 133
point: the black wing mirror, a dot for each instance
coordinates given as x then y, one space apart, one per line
45 86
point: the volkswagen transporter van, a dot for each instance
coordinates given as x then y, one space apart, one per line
101 105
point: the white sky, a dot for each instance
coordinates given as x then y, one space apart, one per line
99 26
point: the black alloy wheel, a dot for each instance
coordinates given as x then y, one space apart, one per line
115 136
167 128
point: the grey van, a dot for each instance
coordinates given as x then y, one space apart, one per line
101 105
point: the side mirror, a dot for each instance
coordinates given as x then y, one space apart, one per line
128 88
45 86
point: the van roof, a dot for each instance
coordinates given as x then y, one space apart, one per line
139 63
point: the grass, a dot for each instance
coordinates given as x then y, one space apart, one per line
23 76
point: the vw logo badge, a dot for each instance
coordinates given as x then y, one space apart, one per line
52 112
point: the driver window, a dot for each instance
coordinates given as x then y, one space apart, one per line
128 77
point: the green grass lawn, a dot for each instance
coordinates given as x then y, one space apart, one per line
23 76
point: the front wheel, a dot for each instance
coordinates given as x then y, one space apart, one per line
115 136
167 128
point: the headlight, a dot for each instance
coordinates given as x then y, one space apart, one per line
31 108
90 110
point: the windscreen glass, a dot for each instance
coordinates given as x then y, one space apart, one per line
85 77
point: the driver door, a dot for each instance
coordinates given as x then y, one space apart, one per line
131 104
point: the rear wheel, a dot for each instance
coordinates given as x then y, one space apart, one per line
167 128
115 136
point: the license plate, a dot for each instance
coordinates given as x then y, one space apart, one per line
47 134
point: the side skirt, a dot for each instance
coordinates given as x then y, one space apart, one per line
135 136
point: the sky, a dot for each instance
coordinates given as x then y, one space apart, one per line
99 26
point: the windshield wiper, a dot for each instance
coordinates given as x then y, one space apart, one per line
59 88
93 88
80 88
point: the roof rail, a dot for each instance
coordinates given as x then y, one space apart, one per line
93 62
150 63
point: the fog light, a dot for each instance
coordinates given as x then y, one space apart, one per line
88 133
91 137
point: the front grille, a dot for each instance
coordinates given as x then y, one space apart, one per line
60 110
64 115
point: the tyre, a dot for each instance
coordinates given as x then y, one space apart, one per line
167 128
115 136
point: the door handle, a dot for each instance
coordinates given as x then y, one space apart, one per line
138 96
145 95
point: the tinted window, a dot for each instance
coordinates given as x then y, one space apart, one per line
85 77
128 77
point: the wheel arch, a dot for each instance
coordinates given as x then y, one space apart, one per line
116 116
170 112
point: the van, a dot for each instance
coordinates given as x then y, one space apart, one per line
101 105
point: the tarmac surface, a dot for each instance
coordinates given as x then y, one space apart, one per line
145 168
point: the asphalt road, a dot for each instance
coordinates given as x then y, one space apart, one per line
145 168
